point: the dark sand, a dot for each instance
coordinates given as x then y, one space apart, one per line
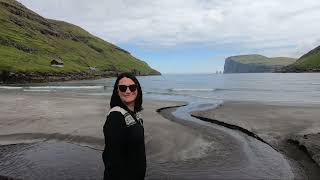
176 149
291 129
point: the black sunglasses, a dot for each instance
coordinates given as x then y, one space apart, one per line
123 88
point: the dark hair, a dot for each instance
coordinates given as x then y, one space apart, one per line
115 99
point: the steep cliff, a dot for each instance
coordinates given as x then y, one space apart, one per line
255 64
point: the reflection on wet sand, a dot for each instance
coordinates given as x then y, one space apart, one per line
50 160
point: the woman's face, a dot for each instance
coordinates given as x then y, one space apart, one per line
127 96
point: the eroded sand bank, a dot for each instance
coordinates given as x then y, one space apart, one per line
278 125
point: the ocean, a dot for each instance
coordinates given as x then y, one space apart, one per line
203 88
199 91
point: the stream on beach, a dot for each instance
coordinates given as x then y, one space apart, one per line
231 154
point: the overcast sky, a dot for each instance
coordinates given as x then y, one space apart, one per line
193 36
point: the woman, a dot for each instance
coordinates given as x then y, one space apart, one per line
124 153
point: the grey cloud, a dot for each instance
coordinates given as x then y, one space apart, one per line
169 23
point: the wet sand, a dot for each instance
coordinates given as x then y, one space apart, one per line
29 118
175 149
291 129
79 119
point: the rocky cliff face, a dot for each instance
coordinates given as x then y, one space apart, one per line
255 64
232 66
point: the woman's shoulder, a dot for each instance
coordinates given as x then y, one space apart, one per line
115 119
115 114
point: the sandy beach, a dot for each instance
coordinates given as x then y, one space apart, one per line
79 120
282 126
45 132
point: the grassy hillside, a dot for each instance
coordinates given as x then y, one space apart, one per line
309 61
29 42
262 60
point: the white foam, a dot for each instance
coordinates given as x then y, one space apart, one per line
206 90
10 87
100 94
66 87
37 90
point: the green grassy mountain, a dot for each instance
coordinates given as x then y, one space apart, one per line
310 62
29 42
263 60
255 63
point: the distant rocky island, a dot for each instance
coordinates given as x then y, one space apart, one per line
255 63
36 49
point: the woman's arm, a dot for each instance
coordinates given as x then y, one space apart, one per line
115 153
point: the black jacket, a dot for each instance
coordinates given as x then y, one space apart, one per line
124 153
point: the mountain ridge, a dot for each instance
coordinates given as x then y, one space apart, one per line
309 62
29 42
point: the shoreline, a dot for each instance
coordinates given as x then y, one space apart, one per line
11 78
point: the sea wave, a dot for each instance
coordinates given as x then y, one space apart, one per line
178 95
99 94
203 90
10 87
159 93
66 87
217 89
38 90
